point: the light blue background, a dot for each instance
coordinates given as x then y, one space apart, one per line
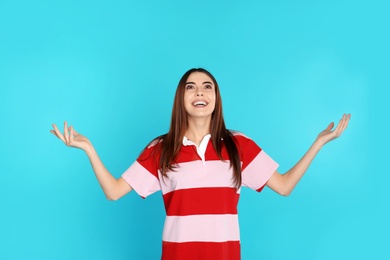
286 69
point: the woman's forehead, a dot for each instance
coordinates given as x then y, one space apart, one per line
199 77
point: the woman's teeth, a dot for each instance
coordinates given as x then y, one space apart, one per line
199 103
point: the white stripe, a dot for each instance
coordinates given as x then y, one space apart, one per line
195 174
201 228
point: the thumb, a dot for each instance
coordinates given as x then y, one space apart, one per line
75 132
330 126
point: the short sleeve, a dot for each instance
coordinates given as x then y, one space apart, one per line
142 175
257 166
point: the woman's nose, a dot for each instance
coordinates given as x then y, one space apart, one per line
199 92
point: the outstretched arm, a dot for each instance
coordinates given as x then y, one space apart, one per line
285 183
112 188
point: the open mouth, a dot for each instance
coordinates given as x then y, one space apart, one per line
200 103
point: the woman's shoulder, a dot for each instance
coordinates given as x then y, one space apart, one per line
245 144
156 141
241 139
152 149
238 134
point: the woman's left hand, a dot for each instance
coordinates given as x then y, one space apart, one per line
329 135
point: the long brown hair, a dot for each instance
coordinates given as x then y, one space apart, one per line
220 136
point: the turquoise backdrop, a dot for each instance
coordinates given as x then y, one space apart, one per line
110 68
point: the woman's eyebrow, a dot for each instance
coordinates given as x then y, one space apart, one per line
208 82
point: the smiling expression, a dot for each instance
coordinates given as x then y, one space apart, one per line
199 95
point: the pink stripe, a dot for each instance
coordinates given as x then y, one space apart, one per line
141 180
258 172
195 174
201 228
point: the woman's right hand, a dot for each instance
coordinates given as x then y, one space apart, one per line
71 137
112 188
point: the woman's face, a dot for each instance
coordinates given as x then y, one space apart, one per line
199 95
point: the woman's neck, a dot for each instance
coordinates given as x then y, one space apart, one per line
197 129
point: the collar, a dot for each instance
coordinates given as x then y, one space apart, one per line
204 141
201 150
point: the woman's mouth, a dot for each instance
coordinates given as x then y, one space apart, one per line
199 103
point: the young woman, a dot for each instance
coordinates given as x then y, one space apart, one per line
200 167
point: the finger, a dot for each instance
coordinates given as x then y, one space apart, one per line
54 133
57 132
66 133
55 128
75 133
330 127
71 135
346 121
339 126
342 125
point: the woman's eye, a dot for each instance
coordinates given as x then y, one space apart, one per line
190 87
208 87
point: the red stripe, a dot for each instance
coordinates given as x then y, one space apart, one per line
248 150
188 153
201 201
201 250
149 159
